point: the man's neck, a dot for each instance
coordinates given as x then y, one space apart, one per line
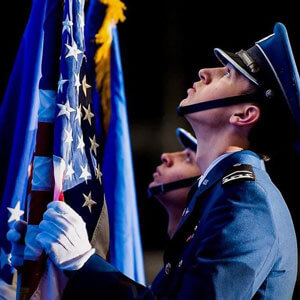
210 148
174 219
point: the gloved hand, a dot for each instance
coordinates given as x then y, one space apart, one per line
16 236
64 237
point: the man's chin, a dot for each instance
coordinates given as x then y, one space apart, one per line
153 184
183 102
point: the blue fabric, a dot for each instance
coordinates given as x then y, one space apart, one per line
278 51
235 241
113 284
244 245
126 251
118 178
18 123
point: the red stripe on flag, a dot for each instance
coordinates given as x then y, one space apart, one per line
61 197
44 139
38 204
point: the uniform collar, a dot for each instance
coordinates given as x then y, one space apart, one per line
212 165
217 171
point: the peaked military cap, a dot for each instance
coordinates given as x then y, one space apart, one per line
271 66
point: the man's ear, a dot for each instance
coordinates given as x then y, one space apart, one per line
245 116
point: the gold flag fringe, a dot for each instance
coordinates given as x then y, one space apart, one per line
114 14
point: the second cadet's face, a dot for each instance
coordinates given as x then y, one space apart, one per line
175 166
217 83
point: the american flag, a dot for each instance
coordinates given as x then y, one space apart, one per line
48 123
67 159
77 151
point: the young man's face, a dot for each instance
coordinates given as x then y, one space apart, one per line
217 83
175 166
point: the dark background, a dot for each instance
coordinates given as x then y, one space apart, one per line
163 46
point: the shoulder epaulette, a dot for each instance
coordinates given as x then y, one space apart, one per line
239 172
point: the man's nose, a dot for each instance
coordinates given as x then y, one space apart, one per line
205 75
208 74
166 159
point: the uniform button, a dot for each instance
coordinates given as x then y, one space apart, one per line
180 263
168 268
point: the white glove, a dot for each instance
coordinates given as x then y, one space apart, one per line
16 236
64 237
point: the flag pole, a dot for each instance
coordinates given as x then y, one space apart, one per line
39 196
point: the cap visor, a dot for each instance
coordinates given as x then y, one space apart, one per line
228 57
186 139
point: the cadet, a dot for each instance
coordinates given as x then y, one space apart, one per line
236 238
173 179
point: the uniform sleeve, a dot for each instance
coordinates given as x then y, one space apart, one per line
99 280
236 246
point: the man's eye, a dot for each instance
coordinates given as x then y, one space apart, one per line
227 74
188 157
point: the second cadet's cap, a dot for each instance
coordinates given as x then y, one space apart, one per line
186 139
271 66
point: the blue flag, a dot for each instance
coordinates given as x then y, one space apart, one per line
18 121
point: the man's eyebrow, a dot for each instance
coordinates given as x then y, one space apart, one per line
188 152
229 65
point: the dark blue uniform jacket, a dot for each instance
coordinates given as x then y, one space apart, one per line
236 240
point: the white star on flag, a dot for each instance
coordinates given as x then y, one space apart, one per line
85 173
70 171
16 212
88 114
65 109
84 85
88 201
77 83
73 51
80 143
68 138
67 24
61 83
94 144
98 173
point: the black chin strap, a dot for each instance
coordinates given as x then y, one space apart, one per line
166 187
188 109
